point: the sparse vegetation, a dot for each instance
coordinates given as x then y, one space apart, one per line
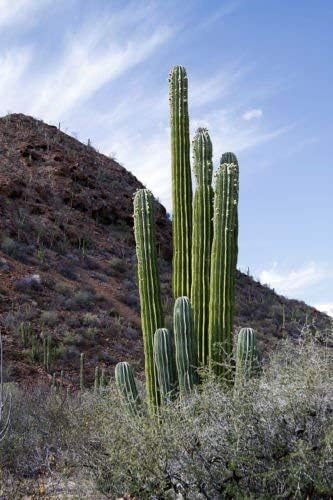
271 438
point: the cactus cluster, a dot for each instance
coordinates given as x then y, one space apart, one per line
205 249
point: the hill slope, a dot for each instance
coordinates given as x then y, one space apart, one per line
67 259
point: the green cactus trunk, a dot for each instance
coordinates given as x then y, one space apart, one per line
181 182
126 384
232 158
149 286
202 240
184 345
223 268
165 363
246 354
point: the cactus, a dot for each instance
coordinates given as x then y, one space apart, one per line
223 268
102 379
149 285
246 353
96 381
181 182
165 363
201 239
127 386
232 158
82 371
47 352
35 351
26 333
184 345
5 401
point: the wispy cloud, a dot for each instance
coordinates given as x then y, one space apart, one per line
286 282
252 113
21 12
86 66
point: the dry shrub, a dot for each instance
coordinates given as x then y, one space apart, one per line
270 438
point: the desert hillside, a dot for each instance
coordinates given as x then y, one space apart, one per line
68 266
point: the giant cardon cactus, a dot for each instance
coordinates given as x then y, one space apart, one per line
223 268
202 240
181 182
149 285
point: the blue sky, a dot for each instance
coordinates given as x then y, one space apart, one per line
260 78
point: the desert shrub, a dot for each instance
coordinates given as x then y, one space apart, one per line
9 246
40 425
117 265
49 318
82 299
63 289
27 283
272 438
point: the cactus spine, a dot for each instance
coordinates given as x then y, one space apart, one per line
201 239
246 353
184 344
223 267
164 362
149 285
181 182
127 386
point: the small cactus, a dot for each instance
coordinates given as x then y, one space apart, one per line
184 345
96 381
82 371
165 363
246 353
126 384
5 401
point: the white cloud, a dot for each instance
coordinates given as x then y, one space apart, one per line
326 308
252 114
291 281
87 65
23 12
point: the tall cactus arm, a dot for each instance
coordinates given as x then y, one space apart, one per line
223 267
149 285
201 239
181 182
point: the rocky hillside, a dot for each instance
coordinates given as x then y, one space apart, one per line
67 260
